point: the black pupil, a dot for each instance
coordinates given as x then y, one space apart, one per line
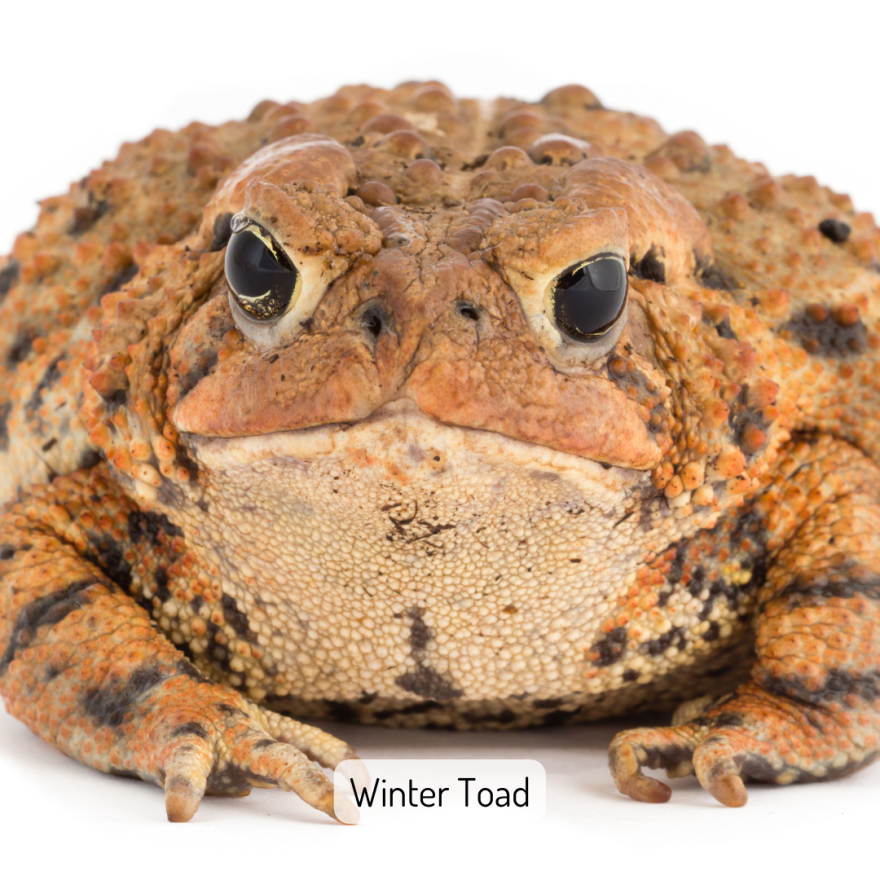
590 299
263 282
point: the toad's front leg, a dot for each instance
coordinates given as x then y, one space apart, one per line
812 708
83 666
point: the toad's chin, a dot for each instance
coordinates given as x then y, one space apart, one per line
403 446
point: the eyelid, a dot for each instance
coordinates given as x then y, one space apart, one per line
594 259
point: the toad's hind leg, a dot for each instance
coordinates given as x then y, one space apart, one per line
83 666
811 710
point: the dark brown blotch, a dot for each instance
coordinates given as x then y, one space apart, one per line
674 638
232 780
610 648
650 266
711 275
51 375
831 332
217 652
428 683
834 230
149 525
833 585
121 278
161 591
8 277
5 410
236 618
110 705
109 555
631 380
84 218
191 728
188 669
205 362
419 635
838 684
45 611
88 459
20 350
222 231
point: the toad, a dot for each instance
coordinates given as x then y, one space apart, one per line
417 410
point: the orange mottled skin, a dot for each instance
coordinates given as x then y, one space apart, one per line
154 601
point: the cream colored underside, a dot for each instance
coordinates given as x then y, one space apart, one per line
335 540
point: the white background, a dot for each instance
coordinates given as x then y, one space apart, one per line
791 85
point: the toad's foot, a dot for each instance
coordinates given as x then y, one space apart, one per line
751 734
229 746
83 666
811 709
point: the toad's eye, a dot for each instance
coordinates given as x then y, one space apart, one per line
588 299
263 280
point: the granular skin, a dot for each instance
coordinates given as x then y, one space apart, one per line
408 495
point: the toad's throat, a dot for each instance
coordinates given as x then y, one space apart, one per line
399 531
376 501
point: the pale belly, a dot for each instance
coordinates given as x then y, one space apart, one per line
400 564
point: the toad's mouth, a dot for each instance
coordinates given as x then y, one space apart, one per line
404 446
585 416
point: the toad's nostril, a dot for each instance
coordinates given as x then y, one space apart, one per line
466 310
373 323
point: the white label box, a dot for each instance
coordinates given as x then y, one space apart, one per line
481 792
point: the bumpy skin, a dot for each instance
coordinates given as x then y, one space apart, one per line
412 500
